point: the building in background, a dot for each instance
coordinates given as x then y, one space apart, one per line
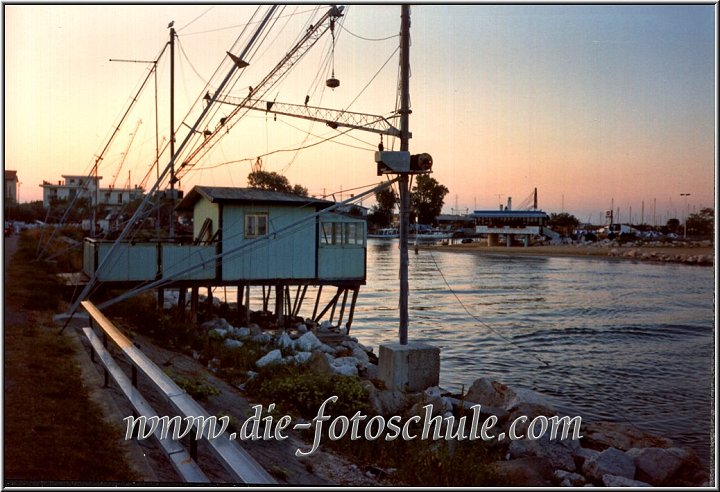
11 187
88 187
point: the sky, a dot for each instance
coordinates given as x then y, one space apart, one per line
593 105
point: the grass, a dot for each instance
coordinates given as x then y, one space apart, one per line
53 431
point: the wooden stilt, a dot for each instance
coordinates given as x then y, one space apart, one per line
247 305
182 299
279 304
342 307
160 298
356 290
335 299
194 294
317 302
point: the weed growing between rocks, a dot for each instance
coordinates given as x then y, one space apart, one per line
301 391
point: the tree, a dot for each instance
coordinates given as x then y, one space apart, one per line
564 222
382 212
427 198
701 223
272 181
264 180
299 190
673 225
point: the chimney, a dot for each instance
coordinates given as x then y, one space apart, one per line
509 205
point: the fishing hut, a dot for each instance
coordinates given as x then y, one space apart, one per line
248 238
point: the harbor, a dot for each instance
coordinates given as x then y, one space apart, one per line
280 257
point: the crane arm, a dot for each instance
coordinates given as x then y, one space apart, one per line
311 36
331 117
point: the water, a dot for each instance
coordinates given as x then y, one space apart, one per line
611 340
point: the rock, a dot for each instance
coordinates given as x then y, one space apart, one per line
601 435
217 333
490 393
654 465
581 455
302 328
361 355
320 362
232 344
261 338
616 481
302 357
371 371
385 402
531 398
440 406
241 332
557 453
433 392
272 357
524 472
389 402
325 326
346 366
307 342
327 349
569 479
609 462
284 341
255 329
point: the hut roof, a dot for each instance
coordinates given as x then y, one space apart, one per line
217 194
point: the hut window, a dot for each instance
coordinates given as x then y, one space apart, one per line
255 225
326 233
353 233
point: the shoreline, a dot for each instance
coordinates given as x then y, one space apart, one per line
701 255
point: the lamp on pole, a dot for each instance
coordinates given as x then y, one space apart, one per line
687 212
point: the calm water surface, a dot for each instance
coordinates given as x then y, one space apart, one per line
611 340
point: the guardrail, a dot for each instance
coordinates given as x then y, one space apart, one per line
236 461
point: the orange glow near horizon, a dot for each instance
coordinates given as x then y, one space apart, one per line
591 105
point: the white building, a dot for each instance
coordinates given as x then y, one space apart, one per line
88 186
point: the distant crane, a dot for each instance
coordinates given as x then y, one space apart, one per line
125 154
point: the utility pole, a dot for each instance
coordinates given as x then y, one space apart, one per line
406 366
404 177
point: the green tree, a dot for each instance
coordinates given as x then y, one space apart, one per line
673 225
702 223
427 199
564 222
382 212
272 181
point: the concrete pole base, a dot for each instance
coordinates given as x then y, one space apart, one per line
412 367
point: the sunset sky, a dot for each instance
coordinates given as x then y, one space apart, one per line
591 104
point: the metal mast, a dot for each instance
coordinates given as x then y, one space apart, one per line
404 177
172 130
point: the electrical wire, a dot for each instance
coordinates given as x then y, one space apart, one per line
368 39
196 18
